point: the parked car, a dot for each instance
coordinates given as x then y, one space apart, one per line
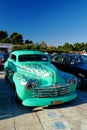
36 81
72 63
3 58
1 61
6 55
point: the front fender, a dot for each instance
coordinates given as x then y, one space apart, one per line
20 89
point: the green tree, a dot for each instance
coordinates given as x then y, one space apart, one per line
43 46
3 35
16 38
51 49
38 46
60 49
6 40
85 47
77 47
67 47
28 42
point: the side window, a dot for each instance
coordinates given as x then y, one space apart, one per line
59 58
13 57
56 58
71 60
64 59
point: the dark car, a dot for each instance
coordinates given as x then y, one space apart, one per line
3 58
1 61
73 63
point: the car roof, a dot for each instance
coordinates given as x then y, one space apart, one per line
21 52
68 54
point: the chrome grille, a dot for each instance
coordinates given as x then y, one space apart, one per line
51 91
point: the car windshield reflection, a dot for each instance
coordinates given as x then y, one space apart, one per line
24 58
78 59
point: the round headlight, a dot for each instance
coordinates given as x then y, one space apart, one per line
72 81
30 85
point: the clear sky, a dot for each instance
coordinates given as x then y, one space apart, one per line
53 21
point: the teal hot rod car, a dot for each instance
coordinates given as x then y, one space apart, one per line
37 82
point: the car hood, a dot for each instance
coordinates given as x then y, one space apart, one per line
40 69
46 72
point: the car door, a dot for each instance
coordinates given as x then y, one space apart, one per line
11 67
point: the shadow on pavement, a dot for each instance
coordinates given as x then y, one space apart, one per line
8 107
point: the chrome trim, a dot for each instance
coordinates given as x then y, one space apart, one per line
51 91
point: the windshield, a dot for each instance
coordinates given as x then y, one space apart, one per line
33 57
78 59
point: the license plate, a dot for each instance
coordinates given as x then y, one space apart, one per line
56 102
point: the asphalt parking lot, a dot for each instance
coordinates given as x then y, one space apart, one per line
13 116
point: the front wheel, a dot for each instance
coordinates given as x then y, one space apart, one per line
6 78
17 100
79 82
